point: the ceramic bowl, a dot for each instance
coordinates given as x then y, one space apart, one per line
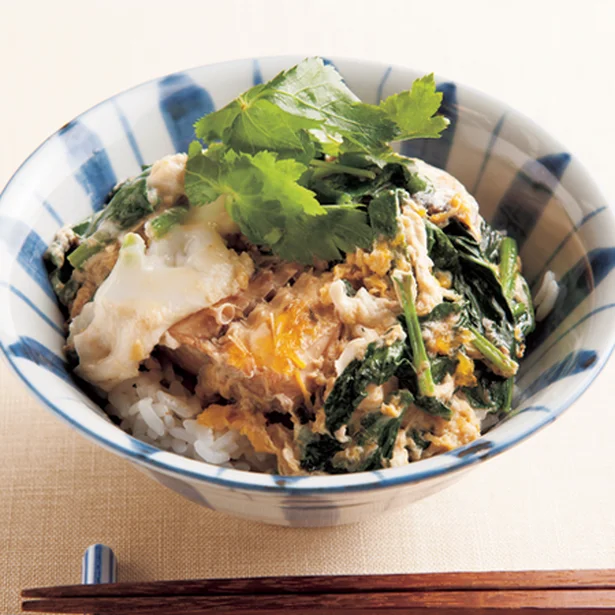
524 180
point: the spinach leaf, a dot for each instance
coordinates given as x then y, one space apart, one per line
350 388
419 440
357 177
434 407
442 310
508 266
128 206
491 393
318 452
384 210
440 248
524 311
441 366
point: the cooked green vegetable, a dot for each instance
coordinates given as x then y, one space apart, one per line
440 249
384 209
441 366
524 310
500 362
127 207
162 224
491 393
419 440
369 176
420 359
442 310
434 407
318 452
379 364
508 266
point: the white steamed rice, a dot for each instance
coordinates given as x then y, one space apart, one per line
165 416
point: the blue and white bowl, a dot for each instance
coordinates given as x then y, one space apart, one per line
523 179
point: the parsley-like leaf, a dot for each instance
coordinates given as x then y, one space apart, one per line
271 208
273 164
307 104
414 111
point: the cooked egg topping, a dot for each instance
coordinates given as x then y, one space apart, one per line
149 289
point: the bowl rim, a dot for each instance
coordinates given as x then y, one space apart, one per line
445 463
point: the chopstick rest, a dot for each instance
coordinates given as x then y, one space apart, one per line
98 565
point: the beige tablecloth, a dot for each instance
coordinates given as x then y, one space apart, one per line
548 503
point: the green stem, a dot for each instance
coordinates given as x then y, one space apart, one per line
421 361
509 395
324 168
508 265
504 364
169 218
86 250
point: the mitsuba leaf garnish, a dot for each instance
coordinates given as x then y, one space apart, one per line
300 157
414 111
271 208
277 115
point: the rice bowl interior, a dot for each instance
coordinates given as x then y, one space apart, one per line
391 335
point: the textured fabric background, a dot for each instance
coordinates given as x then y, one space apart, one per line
548 503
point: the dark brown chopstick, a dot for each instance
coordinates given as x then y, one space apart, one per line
411 602
556 579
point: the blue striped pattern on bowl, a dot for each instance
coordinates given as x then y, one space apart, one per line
523 179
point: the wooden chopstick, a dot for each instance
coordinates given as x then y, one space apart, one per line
506 602
556 579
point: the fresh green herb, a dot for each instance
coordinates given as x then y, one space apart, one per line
308 109
414 111
304 106
275 168
384 210
379 364
421 362
272 209
324 169
508 266
168 219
